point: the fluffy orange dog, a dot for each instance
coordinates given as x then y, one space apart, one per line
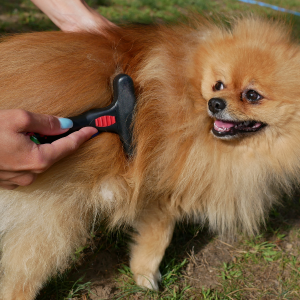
216 131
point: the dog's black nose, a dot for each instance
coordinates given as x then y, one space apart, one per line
216 105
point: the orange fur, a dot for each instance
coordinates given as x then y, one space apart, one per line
179 168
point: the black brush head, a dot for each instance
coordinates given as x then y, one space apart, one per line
125 102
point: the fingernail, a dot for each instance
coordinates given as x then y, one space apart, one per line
65 123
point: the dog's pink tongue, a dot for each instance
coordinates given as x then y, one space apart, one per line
222 124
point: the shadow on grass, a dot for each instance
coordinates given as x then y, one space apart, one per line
283 216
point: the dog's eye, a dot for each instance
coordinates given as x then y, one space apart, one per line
219 86
252 95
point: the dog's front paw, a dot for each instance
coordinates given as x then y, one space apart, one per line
149 280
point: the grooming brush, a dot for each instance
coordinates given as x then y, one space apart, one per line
116 117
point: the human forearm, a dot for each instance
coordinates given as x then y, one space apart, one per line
73 15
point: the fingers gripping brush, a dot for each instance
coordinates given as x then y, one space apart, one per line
116 117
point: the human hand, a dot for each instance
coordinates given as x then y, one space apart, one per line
73 15
20 158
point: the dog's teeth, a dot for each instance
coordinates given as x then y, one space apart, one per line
247 123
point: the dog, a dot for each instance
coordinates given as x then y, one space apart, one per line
216 135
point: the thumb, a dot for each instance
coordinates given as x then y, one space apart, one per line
39 123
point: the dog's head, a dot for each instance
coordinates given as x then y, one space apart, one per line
249 78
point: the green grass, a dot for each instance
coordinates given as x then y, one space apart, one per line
62 288
238 278
263 267
22 16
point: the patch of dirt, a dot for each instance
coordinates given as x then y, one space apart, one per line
201 271
266 279
102 270
99 267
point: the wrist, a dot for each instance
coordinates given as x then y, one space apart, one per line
88 21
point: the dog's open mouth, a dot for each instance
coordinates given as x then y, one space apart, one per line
229 128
